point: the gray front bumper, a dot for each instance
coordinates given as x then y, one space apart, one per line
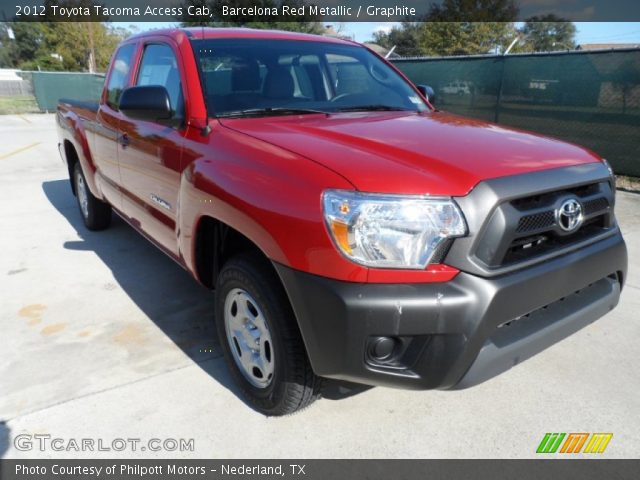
458 333
542 328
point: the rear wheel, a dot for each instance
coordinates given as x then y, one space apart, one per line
260 338
96 214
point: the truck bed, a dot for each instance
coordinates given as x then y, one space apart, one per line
87 105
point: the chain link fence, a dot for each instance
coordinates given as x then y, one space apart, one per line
49 87
588 98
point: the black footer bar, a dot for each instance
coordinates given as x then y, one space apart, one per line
318 469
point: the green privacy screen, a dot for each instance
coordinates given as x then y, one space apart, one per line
588 98
48 87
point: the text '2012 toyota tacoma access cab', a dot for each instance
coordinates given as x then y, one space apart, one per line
349 230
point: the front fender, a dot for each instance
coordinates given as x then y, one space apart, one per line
269 195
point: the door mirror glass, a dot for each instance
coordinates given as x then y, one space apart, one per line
150 103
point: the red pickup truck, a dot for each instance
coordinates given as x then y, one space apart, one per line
349 229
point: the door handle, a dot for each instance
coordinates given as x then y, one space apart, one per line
123 139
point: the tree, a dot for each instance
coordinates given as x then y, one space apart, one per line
77 43
59 46
467 38
548 33
493 11
54 45
307 23
6 46
456 27
26 44
447 38
404 38
84 45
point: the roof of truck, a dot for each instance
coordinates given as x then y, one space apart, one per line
200 33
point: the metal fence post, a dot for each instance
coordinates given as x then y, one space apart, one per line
496 118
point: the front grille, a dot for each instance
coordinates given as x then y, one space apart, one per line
547 219
545 199
524 248
524 228
595 205
536 221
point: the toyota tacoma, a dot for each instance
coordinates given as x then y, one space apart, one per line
348 228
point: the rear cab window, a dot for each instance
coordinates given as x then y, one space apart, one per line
120 68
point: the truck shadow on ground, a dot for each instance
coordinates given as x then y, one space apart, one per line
167 294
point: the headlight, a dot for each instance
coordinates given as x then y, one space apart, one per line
390 231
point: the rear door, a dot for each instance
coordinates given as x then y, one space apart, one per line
150 153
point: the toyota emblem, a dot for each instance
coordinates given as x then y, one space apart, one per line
569 215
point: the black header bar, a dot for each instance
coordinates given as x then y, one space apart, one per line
317 10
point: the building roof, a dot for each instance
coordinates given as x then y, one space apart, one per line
9 74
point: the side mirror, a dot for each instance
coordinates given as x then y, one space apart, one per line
428 92
149 102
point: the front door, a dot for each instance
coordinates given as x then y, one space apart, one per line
150 152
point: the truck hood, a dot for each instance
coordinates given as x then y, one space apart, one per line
431 153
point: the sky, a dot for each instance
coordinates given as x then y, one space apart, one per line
587 32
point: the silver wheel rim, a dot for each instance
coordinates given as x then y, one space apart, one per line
83 199
249 338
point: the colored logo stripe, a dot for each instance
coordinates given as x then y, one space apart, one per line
574 442
598 442
550 443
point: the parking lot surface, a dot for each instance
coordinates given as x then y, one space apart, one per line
103 337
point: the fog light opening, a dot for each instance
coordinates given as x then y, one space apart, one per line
382 349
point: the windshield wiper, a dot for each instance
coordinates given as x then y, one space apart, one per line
271 111
374 108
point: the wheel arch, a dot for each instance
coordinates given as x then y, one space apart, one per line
215 242
73 138
71 156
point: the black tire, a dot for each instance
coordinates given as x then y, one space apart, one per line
96 214
293 385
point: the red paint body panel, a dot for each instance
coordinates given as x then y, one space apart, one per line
268 194
265 176
200 33
433 153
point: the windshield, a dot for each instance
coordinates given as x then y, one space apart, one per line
247 77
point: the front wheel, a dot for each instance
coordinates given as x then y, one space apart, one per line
96 214
260 338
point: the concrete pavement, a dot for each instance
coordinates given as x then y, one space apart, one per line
105 338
